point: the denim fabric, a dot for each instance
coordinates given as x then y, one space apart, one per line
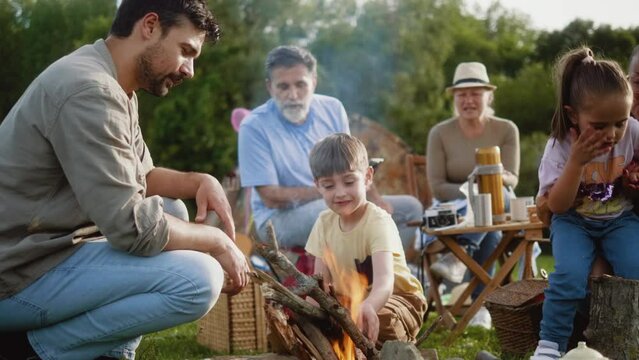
100 300
293 226
574 243
488 242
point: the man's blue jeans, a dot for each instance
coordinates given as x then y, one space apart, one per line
574 240
293 226
100 301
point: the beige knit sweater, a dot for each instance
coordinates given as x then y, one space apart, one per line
451 155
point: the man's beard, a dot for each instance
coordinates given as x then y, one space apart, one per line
294 112
150 80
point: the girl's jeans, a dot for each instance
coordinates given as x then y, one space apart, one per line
574 240
100 301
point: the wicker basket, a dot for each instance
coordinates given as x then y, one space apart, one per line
515 310
236 323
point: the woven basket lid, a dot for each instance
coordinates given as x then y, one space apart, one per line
518 293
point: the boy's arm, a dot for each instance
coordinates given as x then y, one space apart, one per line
383 282
320 268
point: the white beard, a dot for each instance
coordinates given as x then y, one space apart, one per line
296 115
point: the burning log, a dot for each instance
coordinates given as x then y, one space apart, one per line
307 286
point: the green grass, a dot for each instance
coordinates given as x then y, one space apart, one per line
179 342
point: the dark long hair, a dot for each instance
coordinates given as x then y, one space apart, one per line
578 78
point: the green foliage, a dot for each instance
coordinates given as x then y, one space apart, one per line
612 43
466 346
389 60
527 98
11 44
532 148
176 343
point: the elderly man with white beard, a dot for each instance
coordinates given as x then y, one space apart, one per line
274 144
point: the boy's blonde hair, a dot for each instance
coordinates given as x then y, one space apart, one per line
336 154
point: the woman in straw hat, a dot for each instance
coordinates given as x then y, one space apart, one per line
451 158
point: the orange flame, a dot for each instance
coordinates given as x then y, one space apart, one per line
351 287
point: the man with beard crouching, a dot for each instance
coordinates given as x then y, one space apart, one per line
274 144
90 259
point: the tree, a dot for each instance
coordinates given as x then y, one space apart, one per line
527 99
11 45
37 32
615 44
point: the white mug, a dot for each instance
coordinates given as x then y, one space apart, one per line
518 208
483 210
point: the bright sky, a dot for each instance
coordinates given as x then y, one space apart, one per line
556 14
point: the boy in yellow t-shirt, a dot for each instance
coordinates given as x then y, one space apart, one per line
355 236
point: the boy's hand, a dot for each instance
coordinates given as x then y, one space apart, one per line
368 322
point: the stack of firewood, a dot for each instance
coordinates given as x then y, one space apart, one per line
301 328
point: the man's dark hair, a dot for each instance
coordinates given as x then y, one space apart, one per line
170 13
289 56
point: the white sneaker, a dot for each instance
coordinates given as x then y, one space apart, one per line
482 318
450 268
546 350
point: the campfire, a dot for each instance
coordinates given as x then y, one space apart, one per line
327 331
350 297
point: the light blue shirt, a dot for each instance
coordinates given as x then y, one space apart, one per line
274 151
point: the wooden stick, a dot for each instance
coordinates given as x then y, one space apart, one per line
428 331
273 290
308 285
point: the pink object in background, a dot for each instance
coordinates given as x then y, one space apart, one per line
237 116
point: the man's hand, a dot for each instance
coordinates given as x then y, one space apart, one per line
235 265
210 196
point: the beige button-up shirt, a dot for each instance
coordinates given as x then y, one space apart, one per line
71 156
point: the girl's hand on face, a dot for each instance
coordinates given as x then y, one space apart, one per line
588 145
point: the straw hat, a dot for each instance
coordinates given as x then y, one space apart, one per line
470 74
